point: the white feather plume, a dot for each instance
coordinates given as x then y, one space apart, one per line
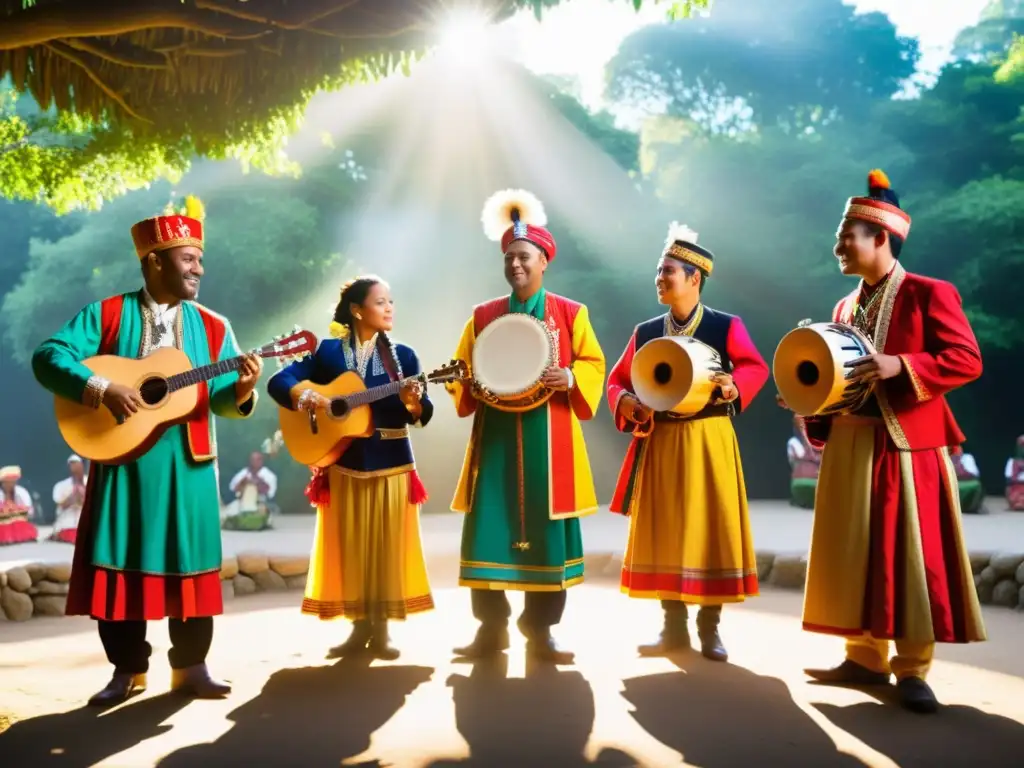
677 231
497 213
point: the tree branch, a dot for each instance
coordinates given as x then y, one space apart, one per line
300 24
64 52
44 24
139 57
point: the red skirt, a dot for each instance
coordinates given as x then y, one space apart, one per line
17 532
65 535
132 596
888 555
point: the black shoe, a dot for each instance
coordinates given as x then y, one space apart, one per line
917 696
675 635
848 673
357 641
380 643
489 641
122 686
711 646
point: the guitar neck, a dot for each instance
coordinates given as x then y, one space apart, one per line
204 373
376 393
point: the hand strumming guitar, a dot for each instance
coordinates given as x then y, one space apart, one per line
308 400
248 375
122 400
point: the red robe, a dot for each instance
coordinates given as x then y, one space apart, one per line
921 320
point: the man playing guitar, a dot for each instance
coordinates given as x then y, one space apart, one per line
149 534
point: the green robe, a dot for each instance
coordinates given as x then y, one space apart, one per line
159 515
494 526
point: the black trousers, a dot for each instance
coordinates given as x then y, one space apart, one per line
127 649
542 609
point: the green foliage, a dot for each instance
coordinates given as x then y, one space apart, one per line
752 65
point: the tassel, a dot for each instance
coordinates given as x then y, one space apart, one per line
319 489
417 491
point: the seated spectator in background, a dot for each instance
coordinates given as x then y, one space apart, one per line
254 488
69 495
972 494
805 461
1015 477
15 509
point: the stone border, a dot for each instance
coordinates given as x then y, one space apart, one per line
40 589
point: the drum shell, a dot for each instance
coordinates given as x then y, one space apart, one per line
810 370
673 374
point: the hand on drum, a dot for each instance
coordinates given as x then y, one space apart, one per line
411 392
726 388
555 378
876 367
633 410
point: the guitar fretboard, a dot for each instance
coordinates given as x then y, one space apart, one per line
203 373
376 393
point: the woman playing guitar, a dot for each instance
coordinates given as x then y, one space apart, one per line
367 562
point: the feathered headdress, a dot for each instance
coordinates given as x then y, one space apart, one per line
681 244
881 206
192 207
509 207
680 232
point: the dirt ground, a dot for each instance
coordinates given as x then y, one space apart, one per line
292 707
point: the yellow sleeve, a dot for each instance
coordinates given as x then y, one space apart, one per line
588 367
461 391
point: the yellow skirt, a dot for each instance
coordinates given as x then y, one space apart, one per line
367 558
689 527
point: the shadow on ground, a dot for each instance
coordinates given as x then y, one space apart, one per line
310 716
543 718
86 736
722 716
954 736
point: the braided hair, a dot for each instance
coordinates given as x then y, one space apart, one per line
343 326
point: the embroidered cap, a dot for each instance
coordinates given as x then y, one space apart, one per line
881 206
515 214
681 244
177 226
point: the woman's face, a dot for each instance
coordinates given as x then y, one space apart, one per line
377 312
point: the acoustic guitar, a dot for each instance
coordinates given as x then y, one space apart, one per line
318 442
166 381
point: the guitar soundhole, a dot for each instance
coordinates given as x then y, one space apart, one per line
339 408
807 373
153 390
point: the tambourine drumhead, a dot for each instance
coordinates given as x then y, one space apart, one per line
673 373
810 368
511 354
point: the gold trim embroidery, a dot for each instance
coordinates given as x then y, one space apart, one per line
891 221
920 390
520 586
386 472
393 434
880 336
677 251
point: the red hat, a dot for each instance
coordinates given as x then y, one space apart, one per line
174 228
881 206
515 214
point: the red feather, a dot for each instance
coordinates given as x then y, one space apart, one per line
878 180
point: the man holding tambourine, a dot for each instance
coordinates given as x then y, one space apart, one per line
537 370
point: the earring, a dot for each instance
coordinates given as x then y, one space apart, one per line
358 317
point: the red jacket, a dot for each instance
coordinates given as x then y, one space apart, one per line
922 321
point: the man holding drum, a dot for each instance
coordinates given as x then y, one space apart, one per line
537 371
887 559
681 483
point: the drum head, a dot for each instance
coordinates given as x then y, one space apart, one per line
511 354
809 366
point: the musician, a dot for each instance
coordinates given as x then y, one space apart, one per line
263 482
68 495
887 558
15 509
968 479
681 483
149 534
1014 473
804 462
526 479
367 563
